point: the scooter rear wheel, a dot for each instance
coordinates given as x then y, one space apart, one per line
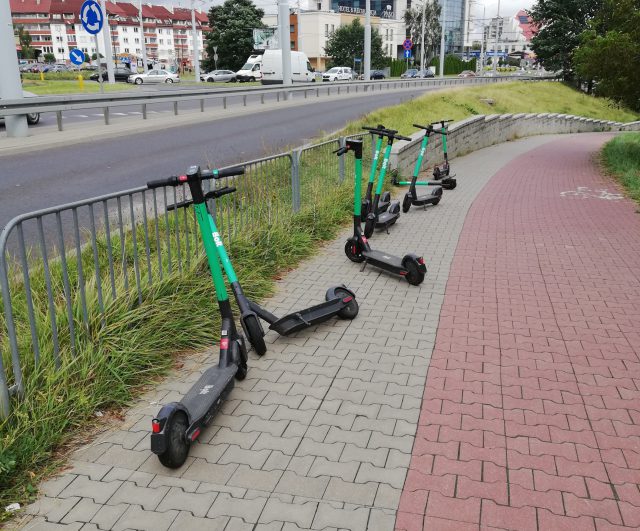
351 309
414 276
353 251
369 225
406 203
177 444
254 334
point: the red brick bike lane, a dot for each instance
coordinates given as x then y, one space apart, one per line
531 410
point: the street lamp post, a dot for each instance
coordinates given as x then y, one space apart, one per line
10 86
495 41
196 44
367 40
144 47
424 9
444 19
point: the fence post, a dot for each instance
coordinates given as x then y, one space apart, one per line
341 143
175 108
105 110
59 120
144 111
295 179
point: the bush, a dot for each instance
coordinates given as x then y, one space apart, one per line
453 64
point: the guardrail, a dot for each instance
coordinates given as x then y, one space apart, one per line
106 102
61 268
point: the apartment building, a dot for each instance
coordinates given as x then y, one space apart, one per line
55 27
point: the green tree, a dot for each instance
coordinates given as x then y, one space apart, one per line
413 20
232 24
560 23
346 44
24 39
609 52
49 58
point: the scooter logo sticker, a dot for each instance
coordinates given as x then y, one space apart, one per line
376 154
422 152
224 343
205 390
384 164
217 239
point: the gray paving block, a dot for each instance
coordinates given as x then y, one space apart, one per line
248 478
266 441
331 451
196 504
186 485
201 470
253 458
98 491
148 498
381 520
387 497
247 509
54 509
301 514
119 456
323 467
137 518
187 522
392 476
93 471
328 516
274 427
380 440
298 485
54 486
40 524
108 515
375 456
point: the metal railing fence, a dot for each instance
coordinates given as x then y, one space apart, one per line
61 268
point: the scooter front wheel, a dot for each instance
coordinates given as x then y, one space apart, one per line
254 334
353 251
177 444
406 203
350 311
414 276
369 225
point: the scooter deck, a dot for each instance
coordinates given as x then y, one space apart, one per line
383 260
207 395
386 219
317 314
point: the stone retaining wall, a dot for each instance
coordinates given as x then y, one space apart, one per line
481 131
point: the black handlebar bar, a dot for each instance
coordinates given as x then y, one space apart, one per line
429 129
382 131
213 194
441 122
176 180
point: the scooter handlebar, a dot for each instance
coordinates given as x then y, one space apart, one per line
219 174
429 128
341 151
176 180
441 122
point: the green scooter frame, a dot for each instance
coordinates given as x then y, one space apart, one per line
434 194
385 198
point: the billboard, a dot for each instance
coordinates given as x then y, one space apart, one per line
265 39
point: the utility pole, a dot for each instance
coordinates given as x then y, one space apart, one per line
108 51
484 12
495 41
10 86
144 46
285 41
196 43
367 40
444 18
424 10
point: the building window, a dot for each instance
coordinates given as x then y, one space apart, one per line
60 50
161 41
332 28
136 29
160 31
137 41
291 30
319 6
326 30
391 34
126 39
126 50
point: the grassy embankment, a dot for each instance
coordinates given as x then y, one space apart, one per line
132 343
621 158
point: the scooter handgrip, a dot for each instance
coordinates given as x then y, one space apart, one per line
425 127
378 128
214 194
400 137
341 151
230 172
159 183
181 204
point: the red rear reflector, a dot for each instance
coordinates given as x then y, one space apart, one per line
403 273
347 299
364 239
224 343
182 178
155 426
195 434
421 260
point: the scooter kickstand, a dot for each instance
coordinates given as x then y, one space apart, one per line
364 264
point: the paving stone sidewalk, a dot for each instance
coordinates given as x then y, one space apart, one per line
320 434
531 412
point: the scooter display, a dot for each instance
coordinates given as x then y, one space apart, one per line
178 424
376 219
442 173
357 248
434 193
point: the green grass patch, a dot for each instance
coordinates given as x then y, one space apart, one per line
621 158
47 87
515 97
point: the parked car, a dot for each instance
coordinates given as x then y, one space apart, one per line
490 73
154 76
218 76
377 74
412 72
338 73
34 117
27 67
119 74
251 71
58 68
467 73
425 73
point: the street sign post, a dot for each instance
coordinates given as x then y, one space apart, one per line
407 54
92 20
76 56
407 44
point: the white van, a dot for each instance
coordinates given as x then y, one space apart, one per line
301 71
251 71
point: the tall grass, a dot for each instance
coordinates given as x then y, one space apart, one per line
516 97
621 157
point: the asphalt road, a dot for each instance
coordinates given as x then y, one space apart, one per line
50 177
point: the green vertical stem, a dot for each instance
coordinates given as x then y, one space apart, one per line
203 218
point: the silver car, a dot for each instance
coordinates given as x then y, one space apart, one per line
154 76
34 117
218 76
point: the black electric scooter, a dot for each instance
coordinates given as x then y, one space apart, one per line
376 219
442 173
357 248
434 192
385 197
178 424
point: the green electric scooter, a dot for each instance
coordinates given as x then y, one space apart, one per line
178 424
385 197
434 193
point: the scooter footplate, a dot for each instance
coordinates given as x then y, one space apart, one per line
208 394
385 219
380 257
296 321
